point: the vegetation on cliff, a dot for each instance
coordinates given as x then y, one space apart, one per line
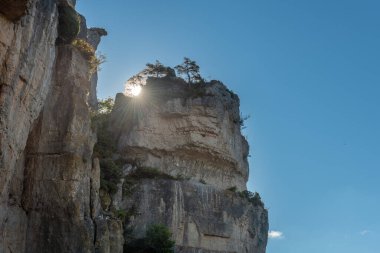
105 148
157 240
69 26
189 69
252 197
94 60
188 72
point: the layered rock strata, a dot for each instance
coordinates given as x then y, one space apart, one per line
191 132
187 161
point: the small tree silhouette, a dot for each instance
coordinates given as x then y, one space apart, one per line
137 79
190 70
156 69
133 82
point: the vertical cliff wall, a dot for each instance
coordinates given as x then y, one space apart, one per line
45 132
193 132
27 56
186 167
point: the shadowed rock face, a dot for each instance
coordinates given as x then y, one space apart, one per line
202 218
193 132
13 9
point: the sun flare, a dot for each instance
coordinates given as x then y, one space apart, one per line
136 90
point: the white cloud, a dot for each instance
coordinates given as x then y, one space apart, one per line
364 232
275 234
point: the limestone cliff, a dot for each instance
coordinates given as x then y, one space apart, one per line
193 132
51 194
45 133
191 138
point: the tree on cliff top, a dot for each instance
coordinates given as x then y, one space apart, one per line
156 69
190 70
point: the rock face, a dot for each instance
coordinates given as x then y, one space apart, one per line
192 133
27 55
58 161
202 218
191 137
48 183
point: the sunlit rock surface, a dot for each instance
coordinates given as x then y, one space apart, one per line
27 55
48 182
189 132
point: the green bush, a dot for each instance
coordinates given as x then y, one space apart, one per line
110 175
69 24
253 198
87 50
129 186
158 239
105 148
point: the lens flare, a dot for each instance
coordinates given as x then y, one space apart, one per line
132 90
135 90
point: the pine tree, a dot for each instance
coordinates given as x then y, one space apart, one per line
190 70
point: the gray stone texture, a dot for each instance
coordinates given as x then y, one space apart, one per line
201 217
186 133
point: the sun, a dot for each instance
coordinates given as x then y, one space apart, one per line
136 90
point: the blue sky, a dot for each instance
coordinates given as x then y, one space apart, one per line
308 74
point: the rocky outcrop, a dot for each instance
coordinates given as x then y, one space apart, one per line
186 165
194 132
93 36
